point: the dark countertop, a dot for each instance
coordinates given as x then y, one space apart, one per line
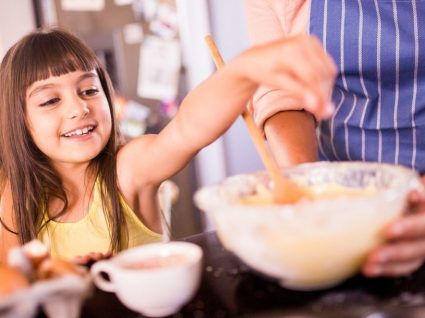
230 289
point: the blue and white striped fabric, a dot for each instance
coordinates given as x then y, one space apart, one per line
379 48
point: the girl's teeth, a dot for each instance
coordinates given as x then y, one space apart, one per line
79 132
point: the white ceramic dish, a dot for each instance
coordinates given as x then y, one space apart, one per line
311 244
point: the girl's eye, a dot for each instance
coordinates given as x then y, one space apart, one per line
50 102
90 92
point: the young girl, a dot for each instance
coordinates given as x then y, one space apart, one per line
65 179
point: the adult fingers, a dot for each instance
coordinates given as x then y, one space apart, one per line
403 251
417 196
392 269
411 226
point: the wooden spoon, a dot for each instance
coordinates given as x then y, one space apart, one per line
285 191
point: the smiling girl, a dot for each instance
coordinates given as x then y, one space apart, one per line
64 177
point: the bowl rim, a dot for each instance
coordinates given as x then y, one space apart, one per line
411 176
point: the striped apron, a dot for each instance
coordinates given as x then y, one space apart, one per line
379 48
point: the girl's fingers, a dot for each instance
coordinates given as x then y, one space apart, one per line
314 64
322 62
304 70
317 89
93 256
310 98
298 65
81 260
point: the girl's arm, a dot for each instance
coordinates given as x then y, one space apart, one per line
298 64
7 238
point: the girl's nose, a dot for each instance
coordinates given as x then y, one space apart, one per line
78 108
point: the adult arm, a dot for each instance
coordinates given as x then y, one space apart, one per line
288 127
292 138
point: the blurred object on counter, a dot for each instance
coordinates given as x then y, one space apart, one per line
168 194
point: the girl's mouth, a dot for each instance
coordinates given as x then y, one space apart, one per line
79 132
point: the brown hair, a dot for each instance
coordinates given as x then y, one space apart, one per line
37 56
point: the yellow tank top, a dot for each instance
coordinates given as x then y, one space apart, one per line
90 234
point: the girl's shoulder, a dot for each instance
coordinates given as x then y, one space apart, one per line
6 207
8 230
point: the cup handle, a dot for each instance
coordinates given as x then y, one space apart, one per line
96 272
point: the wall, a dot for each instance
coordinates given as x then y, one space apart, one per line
11 27
231 35
225 20
194 25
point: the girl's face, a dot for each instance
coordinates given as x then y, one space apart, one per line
68 117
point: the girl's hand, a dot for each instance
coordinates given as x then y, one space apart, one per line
404 251
90 258
300 66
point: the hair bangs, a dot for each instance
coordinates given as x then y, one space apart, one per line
53 54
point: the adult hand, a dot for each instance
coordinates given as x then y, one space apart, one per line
300 66
404 251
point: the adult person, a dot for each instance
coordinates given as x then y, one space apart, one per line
378 47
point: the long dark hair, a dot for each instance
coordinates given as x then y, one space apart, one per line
37 56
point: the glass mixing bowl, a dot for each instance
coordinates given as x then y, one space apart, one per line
322 239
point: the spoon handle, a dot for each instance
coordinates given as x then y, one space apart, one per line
254 131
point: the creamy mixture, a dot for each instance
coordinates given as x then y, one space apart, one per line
264 195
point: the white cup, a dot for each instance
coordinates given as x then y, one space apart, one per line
155 279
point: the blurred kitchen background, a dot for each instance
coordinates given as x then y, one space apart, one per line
154 51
